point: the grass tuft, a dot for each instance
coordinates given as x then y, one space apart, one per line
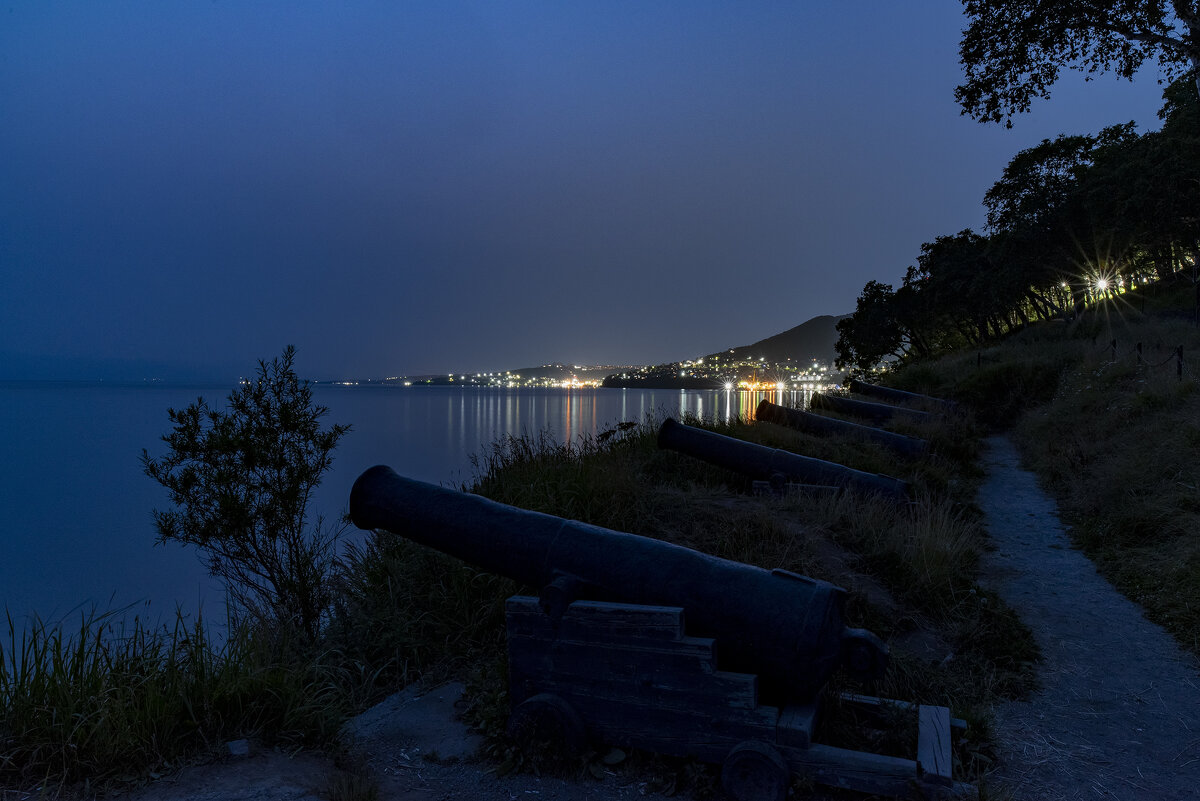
112 701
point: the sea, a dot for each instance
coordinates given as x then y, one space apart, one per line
76 527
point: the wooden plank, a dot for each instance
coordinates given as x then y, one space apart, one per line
871 703
636 620
584 659
543 628
585 622
699 650
718 692
933 744
796 723
696 733
853 770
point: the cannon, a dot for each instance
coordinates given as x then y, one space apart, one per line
900 396
876 412
821 425
785 628
761 462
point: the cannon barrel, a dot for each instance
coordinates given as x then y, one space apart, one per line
787 629
821 425
759 461
901 396
876 412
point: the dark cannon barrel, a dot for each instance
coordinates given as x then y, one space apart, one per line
786 628
759 461
876 412
901 396
821 425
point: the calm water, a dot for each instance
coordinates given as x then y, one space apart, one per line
75 508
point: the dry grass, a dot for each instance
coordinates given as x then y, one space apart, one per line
1119 445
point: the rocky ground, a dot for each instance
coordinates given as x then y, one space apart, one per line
1117 715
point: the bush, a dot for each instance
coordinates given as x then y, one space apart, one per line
240 481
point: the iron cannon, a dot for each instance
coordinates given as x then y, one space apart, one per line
759 461
900 396
822 425
786 628
875 412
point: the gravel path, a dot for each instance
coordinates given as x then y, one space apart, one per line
1118 712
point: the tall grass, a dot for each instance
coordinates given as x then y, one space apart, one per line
112 700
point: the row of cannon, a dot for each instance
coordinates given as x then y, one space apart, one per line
780 467
784 627
603 646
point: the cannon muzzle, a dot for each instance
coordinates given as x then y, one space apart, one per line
787 629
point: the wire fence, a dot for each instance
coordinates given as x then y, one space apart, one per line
1174 358
1137 352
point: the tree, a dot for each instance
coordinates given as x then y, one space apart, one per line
240 481
1013 50
871 335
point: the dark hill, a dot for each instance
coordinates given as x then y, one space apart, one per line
811 340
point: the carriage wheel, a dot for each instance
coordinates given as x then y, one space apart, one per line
755 771
545 723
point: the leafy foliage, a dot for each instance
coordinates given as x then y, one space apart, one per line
1071 221
1013 50
240 481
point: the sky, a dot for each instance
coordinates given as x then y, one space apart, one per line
423 187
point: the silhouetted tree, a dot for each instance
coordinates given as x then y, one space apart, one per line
871 335
1013 50
241 480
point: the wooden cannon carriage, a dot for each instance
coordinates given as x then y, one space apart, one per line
631 675
604 652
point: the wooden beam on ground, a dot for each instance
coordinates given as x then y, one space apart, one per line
933 744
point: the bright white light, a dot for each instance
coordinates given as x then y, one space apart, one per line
728 385
1102 284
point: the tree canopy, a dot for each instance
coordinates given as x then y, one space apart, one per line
1070 220
1013 50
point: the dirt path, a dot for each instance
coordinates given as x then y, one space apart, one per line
1118 712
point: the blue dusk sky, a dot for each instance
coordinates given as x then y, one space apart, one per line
417 187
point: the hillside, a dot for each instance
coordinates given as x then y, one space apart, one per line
810 340
799 353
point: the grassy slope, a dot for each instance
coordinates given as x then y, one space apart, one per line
1116 438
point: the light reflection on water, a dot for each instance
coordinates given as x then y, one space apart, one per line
75 508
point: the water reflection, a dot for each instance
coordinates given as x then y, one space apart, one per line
77 506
